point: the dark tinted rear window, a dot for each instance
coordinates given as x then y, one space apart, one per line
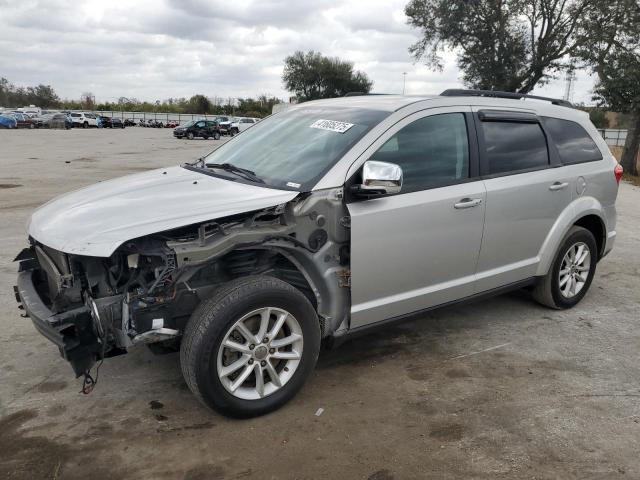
573 142
512 146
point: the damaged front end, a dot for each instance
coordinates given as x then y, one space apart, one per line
93 308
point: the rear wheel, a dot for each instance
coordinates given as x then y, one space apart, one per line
572 271
249 349
216 136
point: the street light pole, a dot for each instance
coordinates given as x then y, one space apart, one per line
404 81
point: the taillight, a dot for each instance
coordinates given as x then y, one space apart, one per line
618 171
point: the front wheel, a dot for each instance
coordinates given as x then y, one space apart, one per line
249 349
572 271
190 135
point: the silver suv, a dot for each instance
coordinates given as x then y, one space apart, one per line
318 223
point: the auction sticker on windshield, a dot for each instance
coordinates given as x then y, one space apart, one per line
332 125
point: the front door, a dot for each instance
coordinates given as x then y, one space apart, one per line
419 248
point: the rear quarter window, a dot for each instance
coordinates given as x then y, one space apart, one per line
511 147
573 142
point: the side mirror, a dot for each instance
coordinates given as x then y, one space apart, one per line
379 178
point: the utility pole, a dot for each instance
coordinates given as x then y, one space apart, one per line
570 83
404 81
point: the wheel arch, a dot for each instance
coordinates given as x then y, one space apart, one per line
586 212
596 226
282 264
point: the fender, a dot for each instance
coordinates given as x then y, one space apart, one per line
333 298
577 209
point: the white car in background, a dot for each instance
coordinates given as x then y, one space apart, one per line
246 122
228 125
83 120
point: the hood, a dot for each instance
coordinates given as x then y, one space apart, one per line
96 220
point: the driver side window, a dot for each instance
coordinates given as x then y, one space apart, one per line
432 152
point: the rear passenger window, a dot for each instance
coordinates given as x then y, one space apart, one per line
432 152
514 146
573 142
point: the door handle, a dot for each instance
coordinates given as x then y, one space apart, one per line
558 186
467 203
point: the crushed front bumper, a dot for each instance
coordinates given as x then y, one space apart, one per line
71 331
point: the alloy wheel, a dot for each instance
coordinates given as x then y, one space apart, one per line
260 353
574 270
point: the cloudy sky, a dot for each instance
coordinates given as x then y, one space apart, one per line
153 49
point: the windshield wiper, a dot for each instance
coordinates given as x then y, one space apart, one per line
199 162
242 172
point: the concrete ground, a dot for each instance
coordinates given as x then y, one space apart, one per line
502 388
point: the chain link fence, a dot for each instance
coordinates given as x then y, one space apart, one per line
613 137
158 117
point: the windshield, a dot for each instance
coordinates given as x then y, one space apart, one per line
294 148
189 123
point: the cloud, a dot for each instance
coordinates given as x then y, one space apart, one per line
152 49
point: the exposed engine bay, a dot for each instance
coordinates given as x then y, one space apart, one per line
146 291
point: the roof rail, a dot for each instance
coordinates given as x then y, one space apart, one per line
361 94
455 92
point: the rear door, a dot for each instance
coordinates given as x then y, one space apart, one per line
419 248
200 129
527 189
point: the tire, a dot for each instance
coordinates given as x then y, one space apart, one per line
206 137
31 126
190 135
85 125
549 291
216 136
202 354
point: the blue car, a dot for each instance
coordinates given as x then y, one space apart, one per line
7 121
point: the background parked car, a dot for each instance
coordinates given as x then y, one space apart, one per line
116 122
246 122
103 122
7 121
83 120
198 128
53 120
172 124
228 125
40 120
151 123
59 120
23 120
129 122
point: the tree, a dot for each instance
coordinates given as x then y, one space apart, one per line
200 104
44 96
509 45
311 76
598 117
613 52
88 100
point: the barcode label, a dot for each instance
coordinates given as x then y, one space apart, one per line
332 125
